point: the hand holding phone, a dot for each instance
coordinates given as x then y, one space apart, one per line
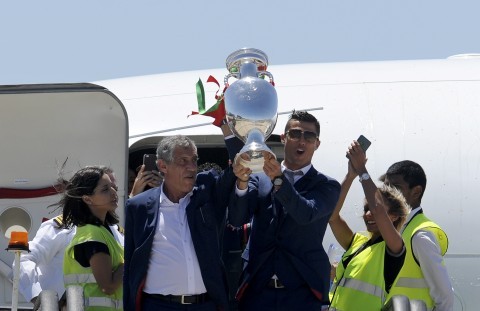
150 162
363 142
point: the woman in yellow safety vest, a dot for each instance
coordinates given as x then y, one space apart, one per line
371 263
93 259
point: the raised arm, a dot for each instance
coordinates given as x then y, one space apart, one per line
143 179
238 212
339 226
375 201
305 207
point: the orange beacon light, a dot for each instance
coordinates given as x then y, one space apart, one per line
18 241
18 244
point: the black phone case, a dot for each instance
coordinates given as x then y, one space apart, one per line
150 162
364 143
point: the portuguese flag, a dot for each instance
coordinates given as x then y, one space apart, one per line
217 111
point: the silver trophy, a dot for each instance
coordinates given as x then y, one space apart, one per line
251 103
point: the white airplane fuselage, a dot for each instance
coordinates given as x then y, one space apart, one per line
424 110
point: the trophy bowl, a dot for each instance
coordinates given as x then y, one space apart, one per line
251 104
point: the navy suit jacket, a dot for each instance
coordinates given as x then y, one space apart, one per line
286 237
205 214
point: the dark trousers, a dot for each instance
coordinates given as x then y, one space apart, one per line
151 304
280 299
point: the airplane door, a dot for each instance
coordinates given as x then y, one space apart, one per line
46 132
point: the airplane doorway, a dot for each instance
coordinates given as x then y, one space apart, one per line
211 148
218 155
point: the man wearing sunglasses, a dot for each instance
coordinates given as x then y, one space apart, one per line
287 267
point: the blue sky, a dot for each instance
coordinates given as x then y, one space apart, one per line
90 40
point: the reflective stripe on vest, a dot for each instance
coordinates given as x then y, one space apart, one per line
363 287
79 279
411 283
103 302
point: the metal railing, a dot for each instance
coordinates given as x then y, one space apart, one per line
75 299
48 300
402 303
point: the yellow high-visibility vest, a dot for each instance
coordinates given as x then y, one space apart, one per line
410 281
361 285
75 274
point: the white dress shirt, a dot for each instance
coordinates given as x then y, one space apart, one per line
296 176
41 268
173 266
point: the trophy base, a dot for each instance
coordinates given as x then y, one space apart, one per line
255 160
255 165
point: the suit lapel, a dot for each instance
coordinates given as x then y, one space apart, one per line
189 210
152 209
300 186
306 180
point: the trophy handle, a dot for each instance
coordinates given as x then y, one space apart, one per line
230 75
268 74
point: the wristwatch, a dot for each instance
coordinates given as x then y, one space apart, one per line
363 177
278 181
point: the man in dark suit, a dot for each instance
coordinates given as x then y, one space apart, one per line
172 255
287 267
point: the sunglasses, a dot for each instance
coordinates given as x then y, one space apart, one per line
297 134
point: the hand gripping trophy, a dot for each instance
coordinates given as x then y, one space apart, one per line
250 104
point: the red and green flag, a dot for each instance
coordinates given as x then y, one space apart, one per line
217 111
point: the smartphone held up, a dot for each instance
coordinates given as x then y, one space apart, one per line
363 142
150 162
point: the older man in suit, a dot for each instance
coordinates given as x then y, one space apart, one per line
287 267
172 255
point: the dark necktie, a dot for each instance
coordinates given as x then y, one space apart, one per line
290 175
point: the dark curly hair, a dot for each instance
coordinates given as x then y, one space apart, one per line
75 210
